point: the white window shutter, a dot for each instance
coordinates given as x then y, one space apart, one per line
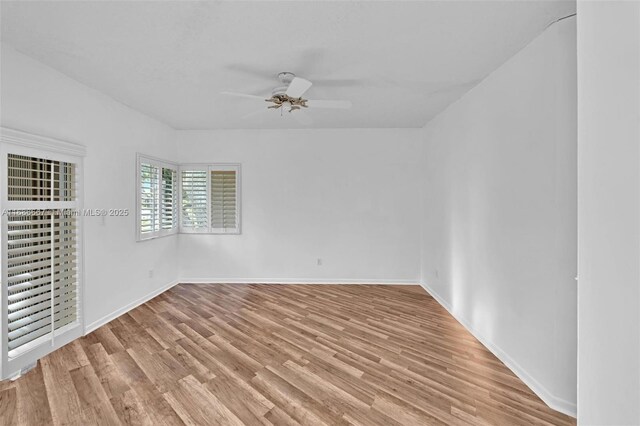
41 274
224 201
157 210
29 276
169 199
194 200
41 251
149 198
210 198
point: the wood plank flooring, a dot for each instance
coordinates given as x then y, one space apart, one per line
276 354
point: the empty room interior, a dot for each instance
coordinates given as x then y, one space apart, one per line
320 212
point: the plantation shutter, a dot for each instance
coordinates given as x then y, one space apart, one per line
41 258
39 179
169 199
40 251
149 198
224 211
194 200
157 198
210 198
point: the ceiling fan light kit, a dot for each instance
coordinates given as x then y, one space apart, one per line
286 102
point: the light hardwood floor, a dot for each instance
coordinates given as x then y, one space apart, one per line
276 354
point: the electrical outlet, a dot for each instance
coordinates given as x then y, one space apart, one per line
437 273
150 273
319 262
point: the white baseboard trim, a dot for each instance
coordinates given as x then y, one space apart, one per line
554 402
115 314
294 281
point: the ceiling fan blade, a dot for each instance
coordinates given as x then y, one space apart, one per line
301 117
329 104
297 87
243 95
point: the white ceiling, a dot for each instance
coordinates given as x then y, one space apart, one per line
400 63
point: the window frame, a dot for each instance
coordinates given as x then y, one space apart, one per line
22 143
209 167
160 164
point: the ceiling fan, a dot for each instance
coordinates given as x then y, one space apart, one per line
287 98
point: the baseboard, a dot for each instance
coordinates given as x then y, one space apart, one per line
115 314
551 400
294 281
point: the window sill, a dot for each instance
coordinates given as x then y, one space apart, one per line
141 238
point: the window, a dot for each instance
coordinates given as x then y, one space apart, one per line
41 258
157 198
210 199
194 200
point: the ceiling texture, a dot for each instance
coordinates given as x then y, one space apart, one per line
399 63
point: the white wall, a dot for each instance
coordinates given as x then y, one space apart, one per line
345 196
37 99
609 213
499 213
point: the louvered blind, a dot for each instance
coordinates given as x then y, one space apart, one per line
169 199
41 275
39 179
40 246
194 199
223 200
210 198
149 198
157 198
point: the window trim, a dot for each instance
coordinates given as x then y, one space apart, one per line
209 167
22 143
160 164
